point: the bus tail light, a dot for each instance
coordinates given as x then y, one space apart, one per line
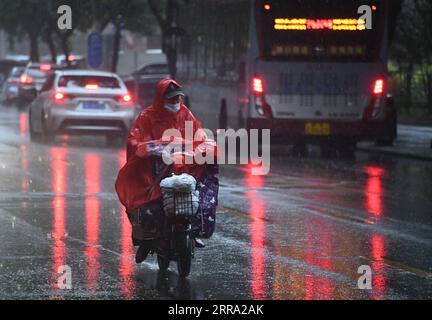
375 109
378 86
257 85
261 105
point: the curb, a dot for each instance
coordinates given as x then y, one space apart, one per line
396 153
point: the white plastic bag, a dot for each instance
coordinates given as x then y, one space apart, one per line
183 186
183 182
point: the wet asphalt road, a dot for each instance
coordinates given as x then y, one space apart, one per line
300 232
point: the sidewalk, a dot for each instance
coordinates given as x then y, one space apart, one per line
412 142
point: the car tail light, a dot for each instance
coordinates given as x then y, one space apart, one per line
45 67
26 79
13 81
59 97
378 86
125 99
91 86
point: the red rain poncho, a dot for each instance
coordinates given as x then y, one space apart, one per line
136 176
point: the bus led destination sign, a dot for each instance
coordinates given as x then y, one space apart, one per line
300 24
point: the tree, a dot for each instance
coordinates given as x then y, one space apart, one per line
18 17
132 15
166 16
412 50
407 37
38 20
424 12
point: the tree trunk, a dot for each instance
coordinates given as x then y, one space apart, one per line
170 23
51 46
34 47
116 48
171 53
65 48
408 86
429 91
168 38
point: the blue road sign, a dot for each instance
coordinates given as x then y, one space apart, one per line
95 50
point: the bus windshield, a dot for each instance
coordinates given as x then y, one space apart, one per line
320 30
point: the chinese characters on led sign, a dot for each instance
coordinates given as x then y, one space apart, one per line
319 24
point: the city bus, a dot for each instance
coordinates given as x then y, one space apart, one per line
311 71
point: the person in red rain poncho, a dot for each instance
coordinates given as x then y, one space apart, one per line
135 180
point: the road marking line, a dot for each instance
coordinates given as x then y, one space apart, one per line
401 266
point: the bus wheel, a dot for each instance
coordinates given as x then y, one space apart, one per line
346 149
299 150
163 262
384 142
223 115
390 132
328 150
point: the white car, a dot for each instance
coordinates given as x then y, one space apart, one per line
32 80
82 102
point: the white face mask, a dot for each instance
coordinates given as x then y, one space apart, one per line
172 107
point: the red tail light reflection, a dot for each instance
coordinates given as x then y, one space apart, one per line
59 187
257 234
374 191
92 215
126 266
374 204
379 280
23 121
319 287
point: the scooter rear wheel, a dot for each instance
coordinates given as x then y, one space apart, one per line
184 260
163 262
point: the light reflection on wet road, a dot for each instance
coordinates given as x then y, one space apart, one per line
299 233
